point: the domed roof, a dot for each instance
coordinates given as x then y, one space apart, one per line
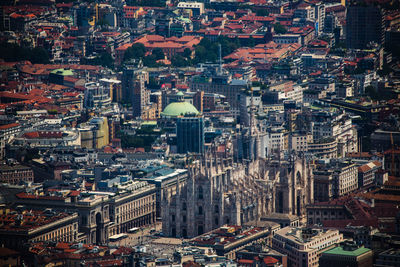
176 109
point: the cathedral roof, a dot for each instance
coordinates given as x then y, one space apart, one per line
177 109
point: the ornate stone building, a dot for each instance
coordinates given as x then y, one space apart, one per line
220 191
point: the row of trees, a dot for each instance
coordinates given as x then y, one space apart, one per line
104 59
279 28
13 52
157 3
144 137
137 51
205 51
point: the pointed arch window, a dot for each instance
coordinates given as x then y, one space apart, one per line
200 192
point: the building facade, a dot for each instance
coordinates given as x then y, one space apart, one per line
334 179
134 88
364 24
15 174
367 172
347 254
304 245
190 134
21 226
100 213
134 208
213 194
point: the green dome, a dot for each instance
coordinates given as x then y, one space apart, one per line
63 72
176 109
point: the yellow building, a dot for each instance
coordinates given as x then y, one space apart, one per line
95 133
101 133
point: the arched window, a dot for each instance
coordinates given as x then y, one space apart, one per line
216 209
298 179
200 230
216 221
200 193
184 233
200 210
227 221
184 206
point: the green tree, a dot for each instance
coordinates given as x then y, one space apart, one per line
150 61
153 84
262 12
136 51
187 53
158 53
179 61
158 3
106 60
208 51
13 52
227 45
200 52
38 55
251 42
279 28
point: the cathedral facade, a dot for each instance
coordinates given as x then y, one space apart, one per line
220 191
237 186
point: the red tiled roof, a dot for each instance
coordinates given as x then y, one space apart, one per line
8 126
74 193
369 166
62 245
245 261
24 195
270 260
338 8
42 134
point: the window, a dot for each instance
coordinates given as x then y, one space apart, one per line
200 192
200 210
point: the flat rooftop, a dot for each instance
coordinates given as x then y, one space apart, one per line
225 235
344 252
